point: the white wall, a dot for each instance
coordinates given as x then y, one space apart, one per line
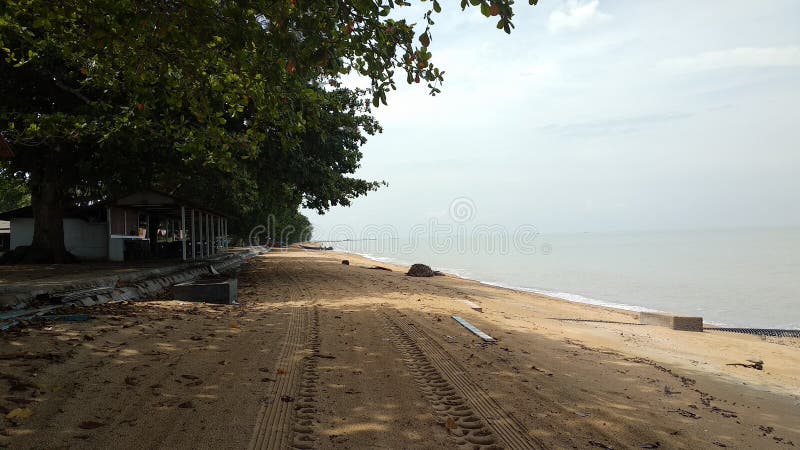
86 240
83 239
21 232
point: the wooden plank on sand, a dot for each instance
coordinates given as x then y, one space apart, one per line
474 330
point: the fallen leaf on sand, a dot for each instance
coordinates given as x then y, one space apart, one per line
280 372
90 425
233 325
19 413
451 424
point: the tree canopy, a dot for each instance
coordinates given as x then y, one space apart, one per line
104 96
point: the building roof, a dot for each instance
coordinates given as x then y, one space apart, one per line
150 201
91 213
155 201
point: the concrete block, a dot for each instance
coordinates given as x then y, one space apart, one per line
211 290
681 323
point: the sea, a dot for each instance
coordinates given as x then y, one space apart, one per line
737 278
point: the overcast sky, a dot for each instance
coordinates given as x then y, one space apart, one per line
597 115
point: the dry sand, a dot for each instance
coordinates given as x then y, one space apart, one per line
324 355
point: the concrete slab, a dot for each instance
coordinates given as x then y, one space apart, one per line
211 290
676 322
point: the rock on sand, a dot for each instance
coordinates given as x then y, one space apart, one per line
420 270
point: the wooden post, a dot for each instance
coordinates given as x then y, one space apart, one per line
194 241
183 232
108 243
200 232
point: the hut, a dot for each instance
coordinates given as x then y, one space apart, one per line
143 225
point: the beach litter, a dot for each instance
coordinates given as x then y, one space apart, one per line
473 306
753 363
485 337
19 413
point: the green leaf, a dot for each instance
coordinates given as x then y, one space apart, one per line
425 39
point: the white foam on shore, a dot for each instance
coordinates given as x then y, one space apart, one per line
459 273
575 298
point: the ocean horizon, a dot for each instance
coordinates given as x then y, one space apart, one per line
733 277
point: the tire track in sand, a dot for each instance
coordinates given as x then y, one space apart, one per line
273 428
463 404
305 409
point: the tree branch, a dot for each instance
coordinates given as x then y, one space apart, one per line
72 91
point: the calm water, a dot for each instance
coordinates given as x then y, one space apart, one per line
733 277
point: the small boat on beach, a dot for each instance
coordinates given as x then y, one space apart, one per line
307 247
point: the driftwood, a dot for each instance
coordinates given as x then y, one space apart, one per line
753 364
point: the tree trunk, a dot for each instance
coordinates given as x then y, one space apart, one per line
47 202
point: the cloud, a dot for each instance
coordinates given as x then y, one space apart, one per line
576 14
611 127
547 70
742 57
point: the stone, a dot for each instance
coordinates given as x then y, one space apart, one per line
420 270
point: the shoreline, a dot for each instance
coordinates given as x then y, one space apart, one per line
618 330
560 296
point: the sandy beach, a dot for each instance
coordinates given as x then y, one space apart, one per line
326 355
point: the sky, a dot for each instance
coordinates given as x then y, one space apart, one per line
595 116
